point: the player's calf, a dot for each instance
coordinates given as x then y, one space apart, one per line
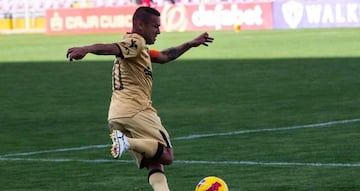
157 178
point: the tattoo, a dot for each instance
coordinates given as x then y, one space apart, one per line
174 53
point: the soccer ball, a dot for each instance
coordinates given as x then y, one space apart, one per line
212 183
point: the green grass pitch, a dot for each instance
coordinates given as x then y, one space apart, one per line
264 110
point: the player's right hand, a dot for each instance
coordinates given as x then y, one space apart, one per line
76 53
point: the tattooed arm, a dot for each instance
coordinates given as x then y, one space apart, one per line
174 52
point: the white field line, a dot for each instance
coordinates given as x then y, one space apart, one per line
193 162
270 163
56 150
195 136
316 125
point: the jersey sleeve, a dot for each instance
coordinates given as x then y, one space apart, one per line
130 47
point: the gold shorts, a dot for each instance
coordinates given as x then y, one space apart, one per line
145 124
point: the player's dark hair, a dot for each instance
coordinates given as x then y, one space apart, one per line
144 13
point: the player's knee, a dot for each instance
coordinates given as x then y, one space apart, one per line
168 156
164 155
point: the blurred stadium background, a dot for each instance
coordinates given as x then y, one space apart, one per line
29 15
177 15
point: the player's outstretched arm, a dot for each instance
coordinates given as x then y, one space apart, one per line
78 53
174 52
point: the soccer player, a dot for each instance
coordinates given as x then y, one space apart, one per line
134 124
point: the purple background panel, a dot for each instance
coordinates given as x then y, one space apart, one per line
316 13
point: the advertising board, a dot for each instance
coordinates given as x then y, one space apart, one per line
316 14
178 17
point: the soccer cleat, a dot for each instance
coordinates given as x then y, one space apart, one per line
119 144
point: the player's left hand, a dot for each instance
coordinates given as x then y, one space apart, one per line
203 39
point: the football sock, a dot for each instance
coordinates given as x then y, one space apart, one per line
158 181
150 148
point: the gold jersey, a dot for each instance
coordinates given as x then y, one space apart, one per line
131 78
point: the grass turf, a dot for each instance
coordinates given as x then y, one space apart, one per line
250 80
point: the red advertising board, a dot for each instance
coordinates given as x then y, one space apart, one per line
177 17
